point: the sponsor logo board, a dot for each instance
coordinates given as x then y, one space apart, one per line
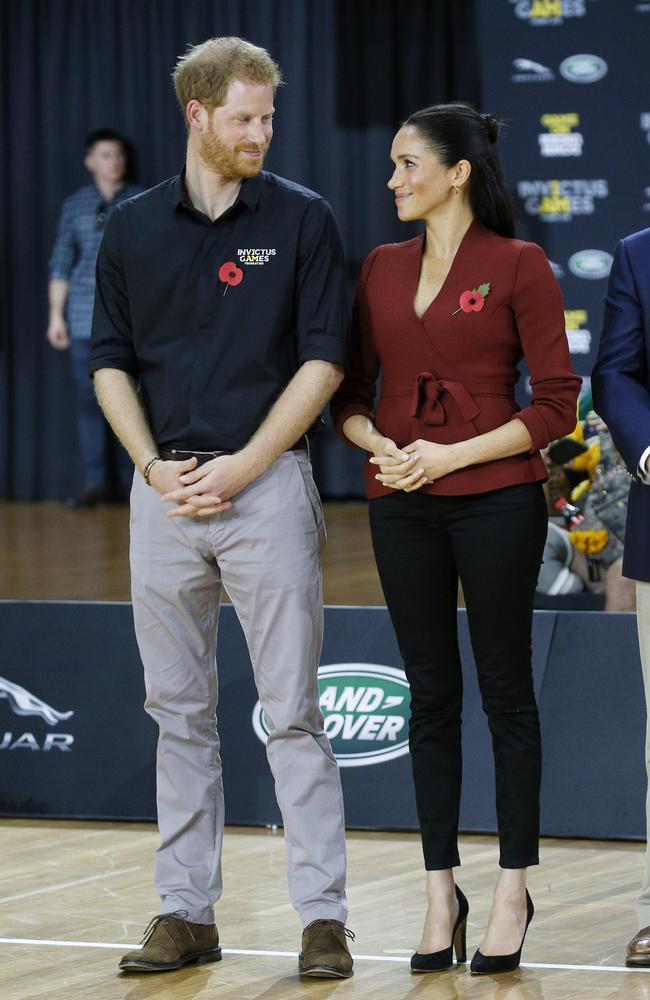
560 200
560 139
583 67
529 71
645 124
23 703
548 13
366 711
590 264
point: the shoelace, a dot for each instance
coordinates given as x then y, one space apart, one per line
181 914
346 930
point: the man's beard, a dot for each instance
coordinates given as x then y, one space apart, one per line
229 163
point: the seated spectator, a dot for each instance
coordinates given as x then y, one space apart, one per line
585 552
559 573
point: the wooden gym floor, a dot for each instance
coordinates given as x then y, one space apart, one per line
50 553
75 895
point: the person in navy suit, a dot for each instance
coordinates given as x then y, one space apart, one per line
621 392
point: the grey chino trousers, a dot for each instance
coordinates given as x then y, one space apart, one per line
265 551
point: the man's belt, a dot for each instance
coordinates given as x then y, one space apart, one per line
426 393
184 454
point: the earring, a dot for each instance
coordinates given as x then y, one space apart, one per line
456 189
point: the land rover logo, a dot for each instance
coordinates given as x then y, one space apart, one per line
590 264
583 68
366 709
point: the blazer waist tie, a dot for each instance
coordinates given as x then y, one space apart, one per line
426 393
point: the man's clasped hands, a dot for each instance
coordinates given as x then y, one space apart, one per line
202 491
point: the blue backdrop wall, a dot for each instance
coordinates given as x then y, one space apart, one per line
572 77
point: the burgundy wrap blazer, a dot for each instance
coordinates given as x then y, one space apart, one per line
450 375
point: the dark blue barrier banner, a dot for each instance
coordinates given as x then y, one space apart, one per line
572 78
75 741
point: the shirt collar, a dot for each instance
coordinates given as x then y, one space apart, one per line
249 192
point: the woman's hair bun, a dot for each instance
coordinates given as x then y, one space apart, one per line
491 126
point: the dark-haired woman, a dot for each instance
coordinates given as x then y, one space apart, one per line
454 479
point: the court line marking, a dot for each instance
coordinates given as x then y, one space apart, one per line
294 954
68 885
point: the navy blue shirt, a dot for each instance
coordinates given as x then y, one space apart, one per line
215 318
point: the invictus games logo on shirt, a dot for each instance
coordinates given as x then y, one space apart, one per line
529 71
591 264
23 702
578 336
560 200
560 139
255 255
366 709
583 68
541 13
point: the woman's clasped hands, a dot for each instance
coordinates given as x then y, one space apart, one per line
415 465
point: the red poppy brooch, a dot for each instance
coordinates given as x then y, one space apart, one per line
473 300
230 274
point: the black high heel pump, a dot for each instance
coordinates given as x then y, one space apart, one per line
436 961
489 965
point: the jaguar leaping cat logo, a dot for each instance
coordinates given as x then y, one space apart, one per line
25 703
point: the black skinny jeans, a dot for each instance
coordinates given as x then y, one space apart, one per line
494 542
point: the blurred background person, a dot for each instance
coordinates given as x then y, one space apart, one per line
71 294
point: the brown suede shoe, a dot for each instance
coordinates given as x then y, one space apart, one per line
325 952
170 942
638 950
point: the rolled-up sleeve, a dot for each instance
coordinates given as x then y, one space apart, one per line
538 309
112 335
356 394
321 309
64 251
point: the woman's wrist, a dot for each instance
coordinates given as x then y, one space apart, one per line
458 456
377 443
361 431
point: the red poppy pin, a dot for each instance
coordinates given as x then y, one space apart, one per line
230 274
474 300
